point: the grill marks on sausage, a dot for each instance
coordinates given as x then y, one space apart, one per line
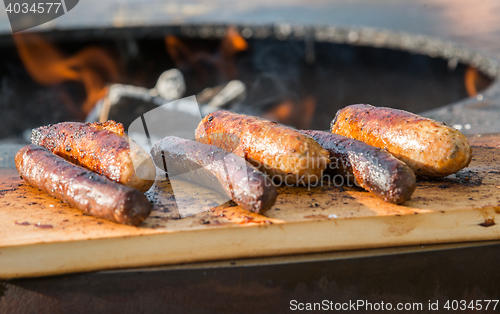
374 169
100 147
216 169
71 140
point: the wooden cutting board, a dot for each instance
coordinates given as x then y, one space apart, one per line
39 235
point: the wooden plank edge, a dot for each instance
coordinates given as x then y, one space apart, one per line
310 257
249 241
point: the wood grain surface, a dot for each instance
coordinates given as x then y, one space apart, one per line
40 235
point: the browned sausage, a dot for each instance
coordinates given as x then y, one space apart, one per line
282 152
100 147
81 188
429 147
220 170
372 168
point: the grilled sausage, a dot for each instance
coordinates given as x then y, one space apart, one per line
100 147
429 147
282 152
372 168
81 188
220 170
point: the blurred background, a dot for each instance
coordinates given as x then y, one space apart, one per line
295 62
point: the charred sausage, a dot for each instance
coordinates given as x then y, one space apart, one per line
100 147
429 147
282 152
372 168
81 188
220 170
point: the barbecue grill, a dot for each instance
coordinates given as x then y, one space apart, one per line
299 72
293 74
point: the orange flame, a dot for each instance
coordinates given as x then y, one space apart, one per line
47 66
223 59
178 51
288 112
474 81
232 42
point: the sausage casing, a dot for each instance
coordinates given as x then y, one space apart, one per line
429 147
372 168
100 147
282 152
220 170
81 188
